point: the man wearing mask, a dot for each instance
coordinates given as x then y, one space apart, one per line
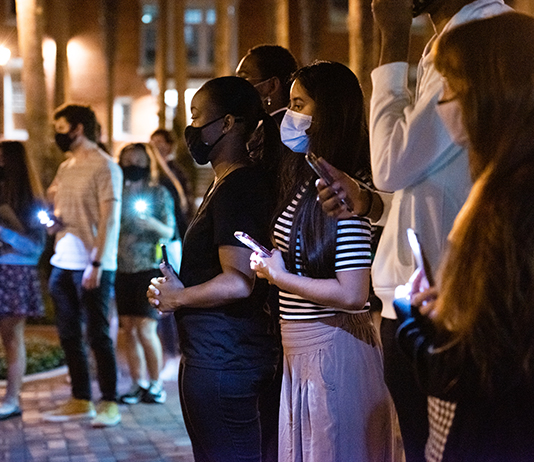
414 156
86 194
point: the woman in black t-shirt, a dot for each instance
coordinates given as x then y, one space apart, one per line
229 350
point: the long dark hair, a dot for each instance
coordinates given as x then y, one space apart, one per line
21 187
237 97
338 133
487 288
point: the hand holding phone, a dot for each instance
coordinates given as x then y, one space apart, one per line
252 244
322 173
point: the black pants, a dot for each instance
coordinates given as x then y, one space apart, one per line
221 412
76 306
410 401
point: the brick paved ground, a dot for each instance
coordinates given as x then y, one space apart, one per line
148 433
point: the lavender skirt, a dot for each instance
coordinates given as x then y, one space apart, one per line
335 406
20 291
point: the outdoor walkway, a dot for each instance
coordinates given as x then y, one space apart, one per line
148 432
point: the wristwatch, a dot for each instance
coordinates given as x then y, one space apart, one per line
96 263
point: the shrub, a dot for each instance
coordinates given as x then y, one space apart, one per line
41 355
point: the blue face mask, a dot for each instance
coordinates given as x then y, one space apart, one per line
293 130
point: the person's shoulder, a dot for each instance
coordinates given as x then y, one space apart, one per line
103 161
247 179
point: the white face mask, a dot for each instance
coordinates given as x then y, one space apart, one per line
293 130
450 113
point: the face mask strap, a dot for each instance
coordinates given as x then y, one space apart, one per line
212 122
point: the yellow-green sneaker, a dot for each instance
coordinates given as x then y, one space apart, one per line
107 415
73 409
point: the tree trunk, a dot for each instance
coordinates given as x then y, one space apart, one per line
161 59
282 22
310 24
223 34
30 35
110 16
180 66
183 158
362 58
60 13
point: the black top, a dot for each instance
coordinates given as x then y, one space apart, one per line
496 427
237 335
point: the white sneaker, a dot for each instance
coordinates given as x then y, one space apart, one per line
155 394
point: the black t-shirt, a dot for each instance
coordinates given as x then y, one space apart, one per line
237 335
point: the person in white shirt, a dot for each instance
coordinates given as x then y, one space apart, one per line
413 157
86 194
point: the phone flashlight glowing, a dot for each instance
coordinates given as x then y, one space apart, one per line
420 258
253 244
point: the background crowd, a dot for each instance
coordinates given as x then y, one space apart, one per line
280 358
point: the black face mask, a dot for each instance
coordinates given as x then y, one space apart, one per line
199 150
135 173
2 173
64 141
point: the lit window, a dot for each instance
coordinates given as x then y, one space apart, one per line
199 35
149 16
122 118
193 16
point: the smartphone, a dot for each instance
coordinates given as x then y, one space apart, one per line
313 162
252 244
165 259
164 256
419 255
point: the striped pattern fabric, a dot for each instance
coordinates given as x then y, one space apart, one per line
353 251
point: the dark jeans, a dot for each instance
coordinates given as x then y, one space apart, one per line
76 306
220 410
410 401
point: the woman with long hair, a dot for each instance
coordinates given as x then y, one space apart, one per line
334 405
229 352
21 245
147 219
472 335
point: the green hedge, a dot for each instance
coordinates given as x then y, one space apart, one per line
41 355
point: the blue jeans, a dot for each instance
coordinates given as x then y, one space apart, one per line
76 307
220 410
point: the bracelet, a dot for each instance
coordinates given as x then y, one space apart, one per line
369 208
